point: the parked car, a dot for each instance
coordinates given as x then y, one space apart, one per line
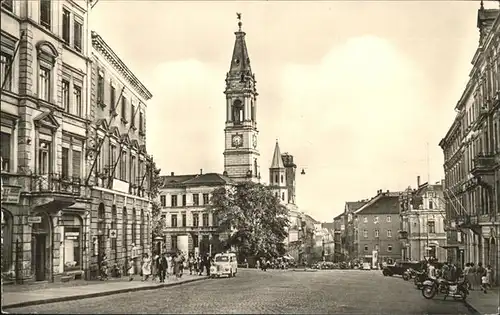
400 267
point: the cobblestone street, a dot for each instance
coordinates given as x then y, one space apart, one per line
252 291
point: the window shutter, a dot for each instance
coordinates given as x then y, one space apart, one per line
77 157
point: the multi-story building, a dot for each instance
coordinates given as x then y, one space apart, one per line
119 172
44 76
376 226
53 209
338 230
472 155
348 234
422 231
190 226
325 239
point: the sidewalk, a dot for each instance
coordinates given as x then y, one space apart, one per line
17 297
485 303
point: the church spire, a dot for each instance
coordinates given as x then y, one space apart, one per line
240 63
277 160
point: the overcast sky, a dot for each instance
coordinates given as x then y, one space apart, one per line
354 90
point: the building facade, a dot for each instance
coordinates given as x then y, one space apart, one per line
422 223
49 117
348 236
43 200
119 173
376 226
471 150
338 232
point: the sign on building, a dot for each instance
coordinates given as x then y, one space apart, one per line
33 220
113 233
11 194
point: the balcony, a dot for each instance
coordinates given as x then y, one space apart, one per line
484 164
50 192
402 235
470 222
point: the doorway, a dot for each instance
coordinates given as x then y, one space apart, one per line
40 257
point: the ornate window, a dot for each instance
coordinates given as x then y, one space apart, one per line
47 55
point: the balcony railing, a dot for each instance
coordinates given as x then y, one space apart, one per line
55 183
402 235
483 164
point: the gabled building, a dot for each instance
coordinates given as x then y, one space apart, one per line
348 235
376 226
339 238
422 231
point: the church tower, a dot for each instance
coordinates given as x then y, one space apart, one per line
241 154
277 176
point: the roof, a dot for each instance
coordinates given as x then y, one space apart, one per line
310 219
240 62
100 45
208 179
355 205
384 203
277 159
338 217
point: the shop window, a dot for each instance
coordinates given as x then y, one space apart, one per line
72 246
141 229
7 245
5 151
124 230
134 226
114 225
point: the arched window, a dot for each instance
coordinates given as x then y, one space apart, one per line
114 231
7 240
101 229
134 227
124 230
141 229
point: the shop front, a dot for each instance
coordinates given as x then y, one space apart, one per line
71 248
41 247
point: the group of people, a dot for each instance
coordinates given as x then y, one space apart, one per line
161 266
477 276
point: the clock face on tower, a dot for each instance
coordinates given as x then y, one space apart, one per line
237 140
254 141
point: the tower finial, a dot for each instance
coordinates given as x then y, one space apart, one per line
482 5
238 16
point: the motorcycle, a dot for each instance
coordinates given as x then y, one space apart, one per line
458 290
419 279
408 274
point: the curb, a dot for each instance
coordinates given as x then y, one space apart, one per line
98 294
472 309
304 270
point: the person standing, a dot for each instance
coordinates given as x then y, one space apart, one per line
208 264
170 264
191 264
154 266
146 267
162 267
130 270
480 272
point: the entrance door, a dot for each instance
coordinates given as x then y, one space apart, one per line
40 257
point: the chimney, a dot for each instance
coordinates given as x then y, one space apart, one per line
418 181
201 171
171 173
442 184
387 190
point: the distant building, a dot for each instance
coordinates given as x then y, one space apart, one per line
339 238
376 226
348 234
422 223
189 225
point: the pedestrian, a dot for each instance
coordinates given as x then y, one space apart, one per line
146 267
191 263
257 265
208 264
170 264
201 265
489 275
154 266
480 272
466 275
130 270
162 267
176 260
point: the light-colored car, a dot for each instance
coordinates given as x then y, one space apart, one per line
366 266
225 264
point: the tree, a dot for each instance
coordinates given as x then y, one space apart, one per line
157 223
253 218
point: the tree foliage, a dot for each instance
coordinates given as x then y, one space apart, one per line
155 182
253 216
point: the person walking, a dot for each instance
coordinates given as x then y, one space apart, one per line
191 264
146 267
208 264
480 272
162 267
130 270
154 266
170 264
466 275
176 260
